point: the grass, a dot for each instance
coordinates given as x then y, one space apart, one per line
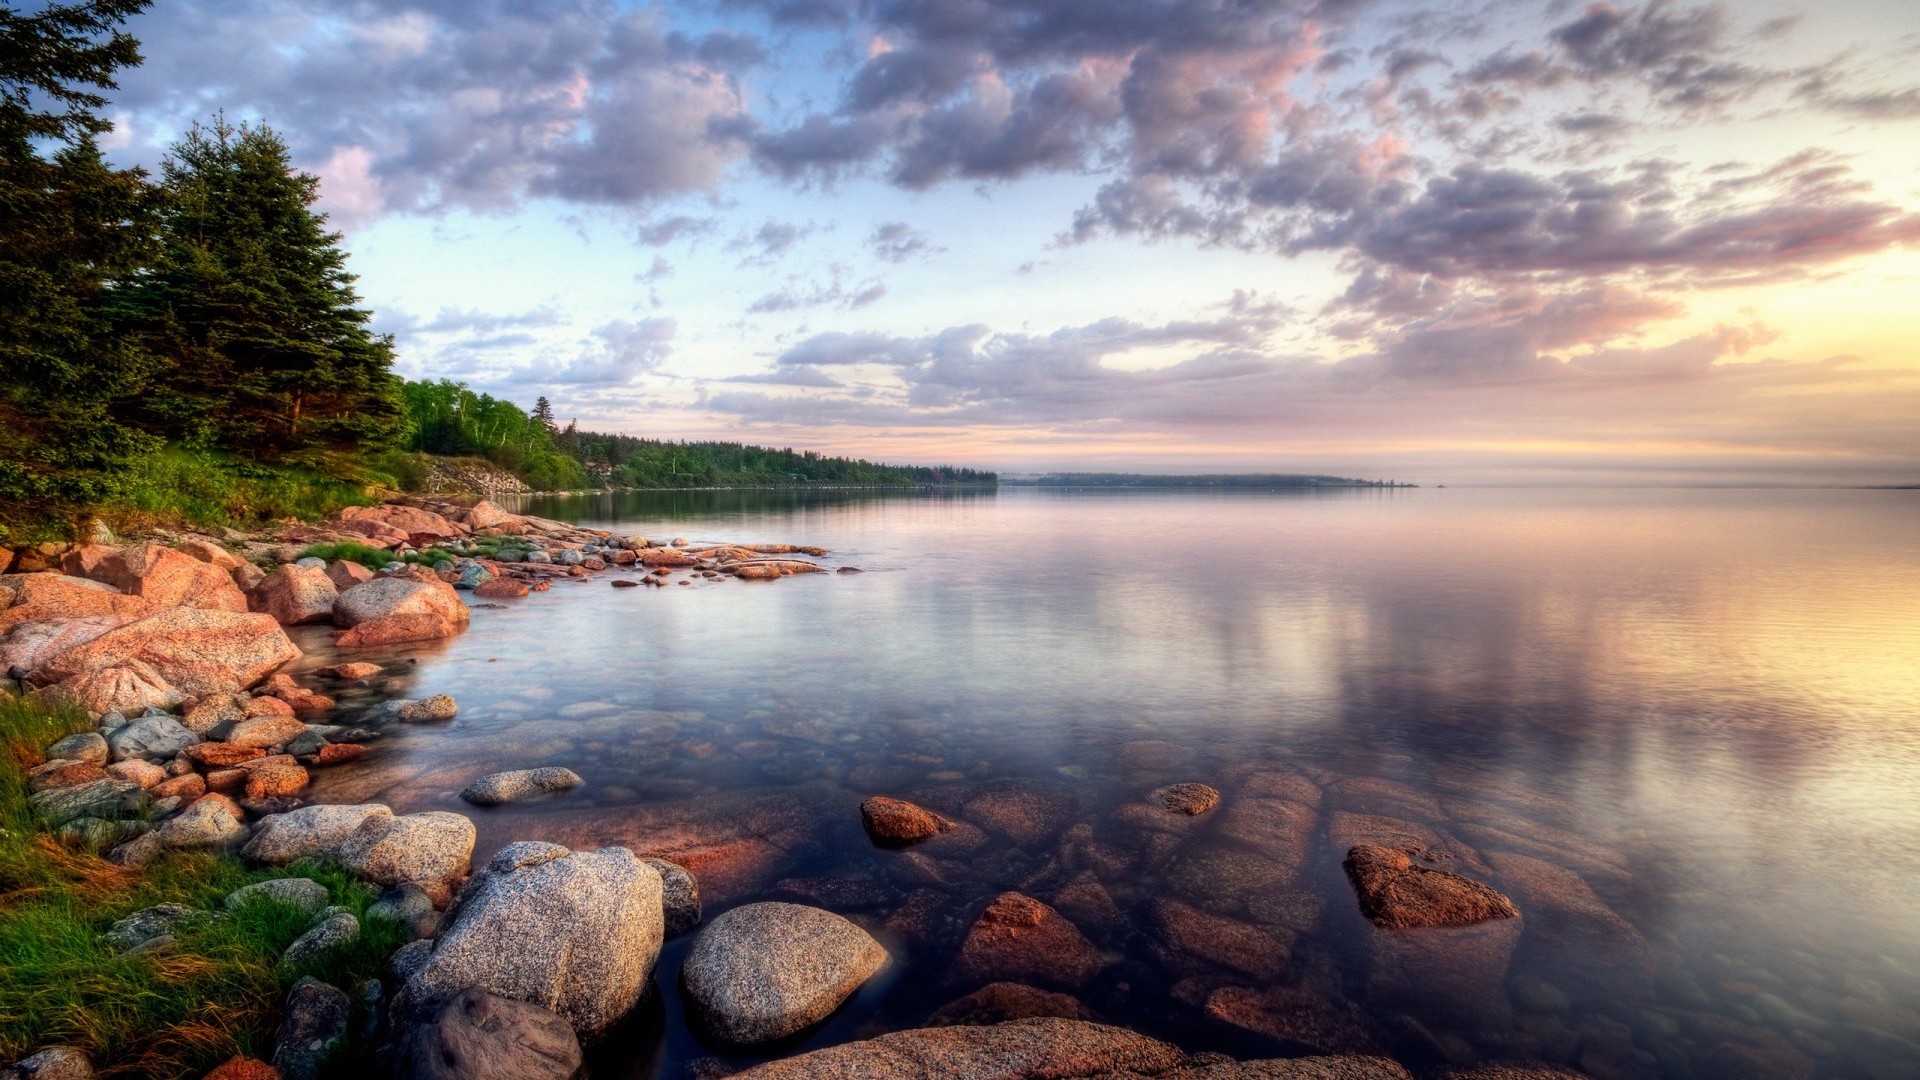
177 486
366 555
484 547
177 1013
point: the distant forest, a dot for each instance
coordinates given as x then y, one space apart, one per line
1259 481
449 418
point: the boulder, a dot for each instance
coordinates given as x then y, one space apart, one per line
210 553
1017 1050
221 755
294 595
59 773
243 1068
481 1036
765 971
502 589
107 798
336 929
152 738
356 670
377 533
275 781
203 826
214 714
896 821
1440 940
486 515
408 905
149 924
434 710
187 786
506 787
309 832
386 597
679 896
138 770
196 652
432 850
1191 941
33 597
86 746
301 894
1020 939
53 1063
27 646
574 932
345 574
406 519
117 689
996 1003
313 1027
262 732
395 630
1298 1016
167 578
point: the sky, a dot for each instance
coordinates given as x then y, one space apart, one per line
1511 242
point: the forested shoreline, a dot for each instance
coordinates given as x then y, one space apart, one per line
190 347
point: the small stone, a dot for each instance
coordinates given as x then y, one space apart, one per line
243 1068
155 738
87 746
108 798
336 929
60 773
187 787
303 894
149 923
223 754
438 708
679 896
276 781
138 771
349 672
266 731
506 787
408 905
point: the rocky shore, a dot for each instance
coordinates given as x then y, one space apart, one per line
514 968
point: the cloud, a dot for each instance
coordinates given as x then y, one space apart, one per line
768 242
797 294
664 231
412 107
897 241
623 350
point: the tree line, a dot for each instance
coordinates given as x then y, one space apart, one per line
208 312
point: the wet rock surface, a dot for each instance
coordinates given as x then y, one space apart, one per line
1020 939
477 1035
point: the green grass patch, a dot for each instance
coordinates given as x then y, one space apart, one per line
178 486
366 555
175 1013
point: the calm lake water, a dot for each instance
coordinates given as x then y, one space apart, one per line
1680 728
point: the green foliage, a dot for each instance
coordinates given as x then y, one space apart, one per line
174 1013
250 306
366 555
204 487
73 226
447 418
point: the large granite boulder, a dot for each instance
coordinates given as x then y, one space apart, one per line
195 651
481 1036
167 578
893 822
309 832
27 646
410 520
387 597
765 971
151 738
109 798
33 597
432 850
295 595
576 932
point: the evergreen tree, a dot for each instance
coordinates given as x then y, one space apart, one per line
72 225
543 413
253 311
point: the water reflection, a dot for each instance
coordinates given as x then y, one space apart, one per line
1682 729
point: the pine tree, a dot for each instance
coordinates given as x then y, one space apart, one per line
253 310
72 225
543 413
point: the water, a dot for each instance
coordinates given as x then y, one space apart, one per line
1705 705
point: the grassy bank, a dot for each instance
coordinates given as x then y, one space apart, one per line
173 1013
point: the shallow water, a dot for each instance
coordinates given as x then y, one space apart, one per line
1696 712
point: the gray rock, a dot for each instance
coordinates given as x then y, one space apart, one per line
97 799
305 743
679 896
570 557
539 557
307 832
311 563
111 722
472 576
481 1036
154 738
53 1063
430 850
336 927
204 825
408 959
149 923
410 906
433 710
87 746
765 971
575 932
312 1028
98 834
506 787
303 894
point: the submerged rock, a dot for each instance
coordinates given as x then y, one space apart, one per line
765 971
506 787
1020 939
996 1003
1189 799
897 821
1397 894
1046 1047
